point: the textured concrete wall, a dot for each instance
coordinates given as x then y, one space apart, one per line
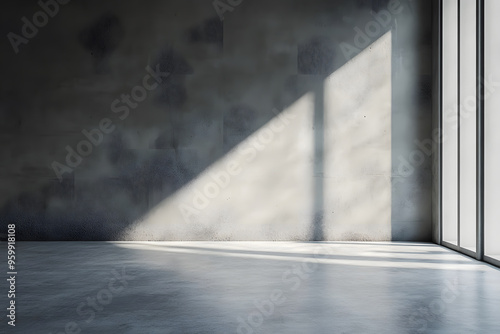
286 120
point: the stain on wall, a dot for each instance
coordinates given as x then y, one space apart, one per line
101 38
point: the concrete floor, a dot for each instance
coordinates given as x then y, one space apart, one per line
251 287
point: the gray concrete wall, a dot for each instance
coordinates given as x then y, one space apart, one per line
286 120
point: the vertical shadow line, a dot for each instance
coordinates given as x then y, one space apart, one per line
318 130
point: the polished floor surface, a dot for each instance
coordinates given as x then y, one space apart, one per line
251 287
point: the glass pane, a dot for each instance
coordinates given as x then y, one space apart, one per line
450 133
467 128
491 131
